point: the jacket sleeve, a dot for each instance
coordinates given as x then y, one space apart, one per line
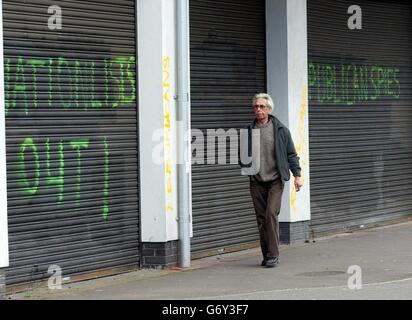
293 157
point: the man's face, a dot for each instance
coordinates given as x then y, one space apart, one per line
261 109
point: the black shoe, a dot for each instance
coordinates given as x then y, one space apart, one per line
271 262
263 264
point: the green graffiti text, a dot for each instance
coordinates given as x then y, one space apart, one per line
350 84
69 84
28 187
41 176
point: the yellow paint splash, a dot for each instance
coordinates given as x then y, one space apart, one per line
167 134
301 143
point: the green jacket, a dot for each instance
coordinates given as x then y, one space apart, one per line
286 156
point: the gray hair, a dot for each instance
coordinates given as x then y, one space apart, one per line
265 96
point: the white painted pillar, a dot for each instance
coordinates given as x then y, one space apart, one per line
4 243
157 119
287 62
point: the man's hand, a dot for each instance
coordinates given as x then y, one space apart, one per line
298 183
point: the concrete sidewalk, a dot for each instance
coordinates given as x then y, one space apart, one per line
317 270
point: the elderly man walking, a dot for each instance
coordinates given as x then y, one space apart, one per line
277 158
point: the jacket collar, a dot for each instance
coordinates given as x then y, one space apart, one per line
272 118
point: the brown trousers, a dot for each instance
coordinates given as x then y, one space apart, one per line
267 198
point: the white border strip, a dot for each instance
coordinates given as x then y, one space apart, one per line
4 243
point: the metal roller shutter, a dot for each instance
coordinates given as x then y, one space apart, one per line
360 114
71 130
228 66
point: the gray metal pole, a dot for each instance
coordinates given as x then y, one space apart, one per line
184 137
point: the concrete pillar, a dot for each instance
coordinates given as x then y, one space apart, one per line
157 131
287 83
4 244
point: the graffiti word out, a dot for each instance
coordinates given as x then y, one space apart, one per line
69 84
350 84
43 176
55 20
355 21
